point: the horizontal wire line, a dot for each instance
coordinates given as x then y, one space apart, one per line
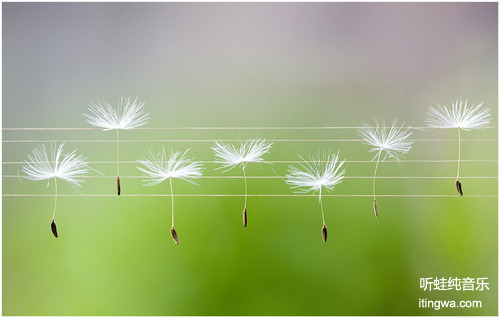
279 161
210 128
226 140
256 195
278 177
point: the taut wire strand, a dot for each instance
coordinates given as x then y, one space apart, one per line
287 161
278 177
206 128
225 140
283 161
259 195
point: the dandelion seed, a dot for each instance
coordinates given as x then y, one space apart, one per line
161 166
245 220
458 184
53 228
460 116
319 173
324 233
118 187
229 157
68 167
174 235
390 141
129 115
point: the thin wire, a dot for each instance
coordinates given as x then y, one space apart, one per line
257 195
282 161
224 140
204 128
278 177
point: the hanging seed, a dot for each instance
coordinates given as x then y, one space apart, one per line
174 235
53 228
458 184
118 185
245 217
324 232
375 208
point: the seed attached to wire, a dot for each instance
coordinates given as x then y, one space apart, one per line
458 184
53 228
128 115
230 156
324 233
462 117
69 167
389 141
318 173
174 235
163 165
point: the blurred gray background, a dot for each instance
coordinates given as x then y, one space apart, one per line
249 63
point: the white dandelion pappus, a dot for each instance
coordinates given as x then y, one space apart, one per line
162 165
229 157
460 115
392 142
68 167
251 151
129 115
316 174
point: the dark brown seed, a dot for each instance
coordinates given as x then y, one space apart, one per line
324 232
174 235
245 217
375 208
458 184
118 185
53 228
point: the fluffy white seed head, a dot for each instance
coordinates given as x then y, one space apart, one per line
129 115
69 167
230 156
459 116
317 173
392 142
164 165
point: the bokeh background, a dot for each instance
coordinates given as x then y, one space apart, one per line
248 65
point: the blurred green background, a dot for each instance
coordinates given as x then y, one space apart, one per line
248 65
